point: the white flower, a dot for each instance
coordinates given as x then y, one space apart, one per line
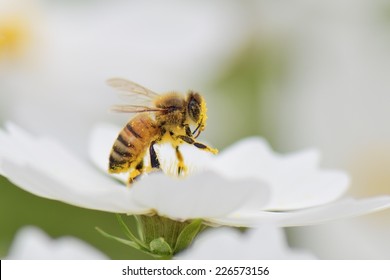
32 243
241 187
43 167
223 243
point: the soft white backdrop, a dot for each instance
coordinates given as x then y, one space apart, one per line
332 92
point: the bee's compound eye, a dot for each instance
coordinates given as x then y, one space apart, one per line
194 106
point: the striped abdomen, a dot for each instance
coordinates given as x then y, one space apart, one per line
132 143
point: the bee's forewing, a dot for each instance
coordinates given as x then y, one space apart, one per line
134 109
131 88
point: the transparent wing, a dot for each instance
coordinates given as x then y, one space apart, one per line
131 88
135 109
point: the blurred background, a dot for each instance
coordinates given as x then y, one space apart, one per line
299 73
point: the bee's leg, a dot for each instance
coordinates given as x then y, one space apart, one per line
191 141
181 168
154 162
134 174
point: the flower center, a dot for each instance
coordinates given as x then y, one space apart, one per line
192 160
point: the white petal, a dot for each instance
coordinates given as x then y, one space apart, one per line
202 195
31 243
296 191
231 244
45 168
341 209
295 180
244 158
101 141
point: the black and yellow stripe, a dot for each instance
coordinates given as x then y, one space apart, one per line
130 128
131 144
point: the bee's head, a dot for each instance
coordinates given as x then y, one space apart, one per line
196 110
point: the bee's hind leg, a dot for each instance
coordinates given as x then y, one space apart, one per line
181 168
154 162
134 174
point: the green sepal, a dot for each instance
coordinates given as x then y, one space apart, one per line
187 235
160 247
158 236
130 243
120 240
128 232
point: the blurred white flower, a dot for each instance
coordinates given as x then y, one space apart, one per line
335 94
165 46
223 243
247 185
31 243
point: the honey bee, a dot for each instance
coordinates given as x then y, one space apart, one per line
168 118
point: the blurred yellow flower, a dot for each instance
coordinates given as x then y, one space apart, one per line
13 37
